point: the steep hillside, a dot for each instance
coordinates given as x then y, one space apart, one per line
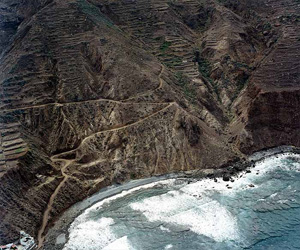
102 91
268 108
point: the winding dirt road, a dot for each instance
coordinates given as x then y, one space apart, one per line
151 90
41 236
91 101
66 163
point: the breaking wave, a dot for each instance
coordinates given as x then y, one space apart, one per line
258 210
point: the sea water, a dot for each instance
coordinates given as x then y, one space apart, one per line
259 210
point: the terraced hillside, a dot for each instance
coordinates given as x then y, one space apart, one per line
268 108
102 91
211 44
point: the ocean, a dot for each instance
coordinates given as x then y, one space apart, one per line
259 210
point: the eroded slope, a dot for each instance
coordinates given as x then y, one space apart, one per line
84 106
98 92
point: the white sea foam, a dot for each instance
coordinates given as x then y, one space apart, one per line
193 208
124 193
273 195
169 246
85 215
96 235
119 244
162 228
202 216
91 235
204 187
283 201
85 233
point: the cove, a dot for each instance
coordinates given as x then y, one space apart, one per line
259 210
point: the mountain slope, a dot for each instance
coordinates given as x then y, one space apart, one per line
99 92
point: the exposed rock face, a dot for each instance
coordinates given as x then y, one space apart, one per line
98 92
268 108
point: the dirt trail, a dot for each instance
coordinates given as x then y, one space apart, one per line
151 90
41 235
114 129
59 157
95 100
78 102
129 125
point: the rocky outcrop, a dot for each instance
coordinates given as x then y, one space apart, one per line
268 109
100 92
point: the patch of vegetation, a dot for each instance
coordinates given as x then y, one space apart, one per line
240 65
165 46
204 67
8 118
159 38
290 18
242 78
267 26
49 53
94 13
13 69
166 56
241 83
227 59
19 150
190 93
182 80
188 90
133 176
173 61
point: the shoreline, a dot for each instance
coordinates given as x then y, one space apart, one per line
57 235
63 223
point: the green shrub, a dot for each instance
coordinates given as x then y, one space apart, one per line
188 90
165 46
204 67
174 61
241 83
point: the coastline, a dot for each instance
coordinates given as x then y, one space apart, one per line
63 223
58 233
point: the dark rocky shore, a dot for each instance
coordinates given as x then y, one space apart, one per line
58 234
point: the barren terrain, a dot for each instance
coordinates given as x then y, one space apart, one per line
95 92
